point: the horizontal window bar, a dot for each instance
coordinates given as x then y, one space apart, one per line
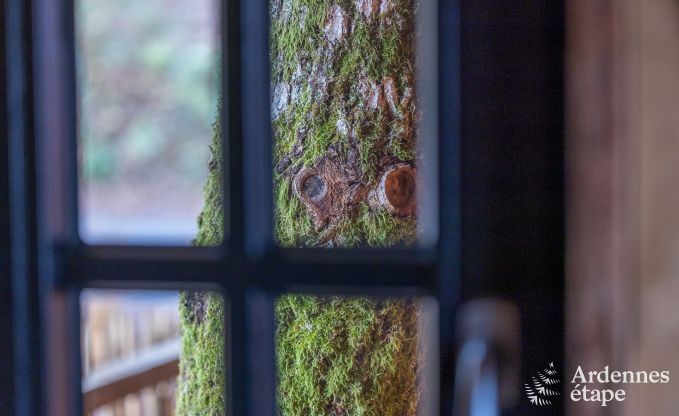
373 256
193 267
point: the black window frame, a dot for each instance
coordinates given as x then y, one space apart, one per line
47 265
248 269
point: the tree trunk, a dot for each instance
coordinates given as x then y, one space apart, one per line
343 113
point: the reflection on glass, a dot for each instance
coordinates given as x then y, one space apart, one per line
147 101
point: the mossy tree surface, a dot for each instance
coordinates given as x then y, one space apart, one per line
200 386
343 112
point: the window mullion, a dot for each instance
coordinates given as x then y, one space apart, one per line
449 251
256 128
250 352
232 140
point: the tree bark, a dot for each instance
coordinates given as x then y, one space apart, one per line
343 112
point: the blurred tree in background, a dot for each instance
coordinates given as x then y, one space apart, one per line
147 85
147 69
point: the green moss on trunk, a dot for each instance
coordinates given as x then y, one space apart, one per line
343 96
200 386
346 356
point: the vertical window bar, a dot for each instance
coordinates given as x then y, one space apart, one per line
7 326
256 118
21 350
449 58
427 78
55 110
61 343
251 363
232 143
56 200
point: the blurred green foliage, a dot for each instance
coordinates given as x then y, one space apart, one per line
146 78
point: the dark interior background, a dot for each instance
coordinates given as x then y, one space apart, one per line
512 170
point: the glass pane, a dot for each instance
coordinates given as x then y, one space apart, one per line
151 352
147 81
356 356
353 163
352 138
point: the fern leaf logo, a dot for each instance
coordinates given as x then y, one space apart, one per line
542 390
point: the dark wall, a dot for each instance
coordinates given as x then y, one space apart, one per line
512 164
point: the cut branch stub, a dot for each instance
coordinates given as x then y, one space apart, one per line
396 190
327 192
314 187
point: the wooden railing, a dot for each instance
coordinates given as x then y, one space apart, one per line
126 376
